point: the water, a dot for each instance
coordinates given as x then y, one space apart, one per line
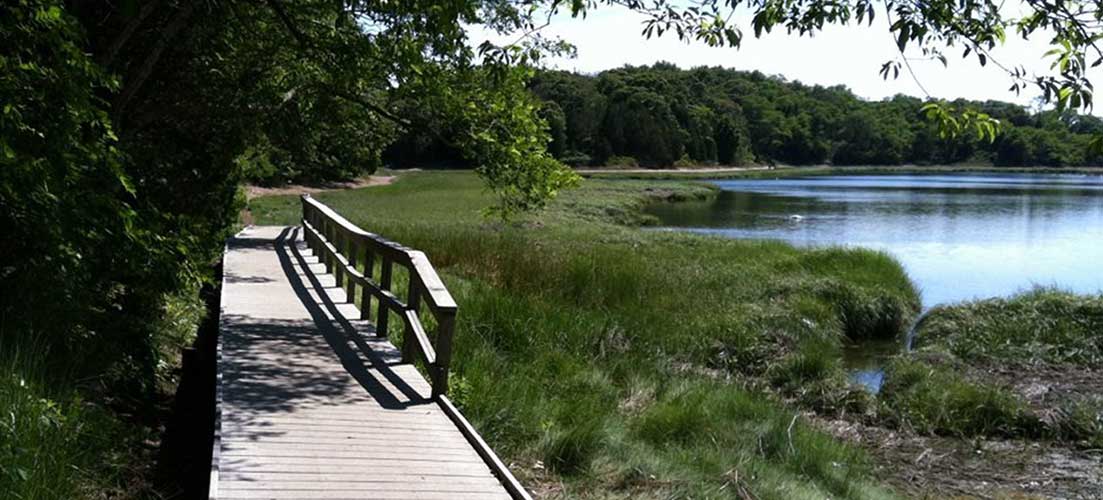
959 236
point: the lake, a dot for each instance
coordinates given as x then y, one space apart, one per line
960 236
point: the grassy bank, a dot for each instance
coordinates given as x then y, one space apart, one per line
1025 365
602 360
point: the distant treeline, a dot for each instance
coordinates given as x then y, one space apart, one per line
662 115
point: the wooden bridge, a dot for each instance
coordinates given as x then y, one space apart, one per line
313 400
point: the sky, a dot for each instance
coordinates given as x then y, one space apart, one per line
610 37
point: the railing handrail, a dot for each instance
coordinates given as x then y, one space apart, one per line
341 245
336 234
439 298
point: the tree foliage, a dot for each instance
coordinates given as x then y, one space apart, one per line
128 126
659 115
935 28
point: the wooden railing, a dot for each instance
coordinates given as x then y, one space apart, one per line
352 254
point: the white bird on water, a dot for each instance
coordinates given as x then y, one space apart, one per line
796 218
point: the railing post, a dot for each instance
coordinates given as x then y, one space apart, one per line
384 284
338 250
351 244
331 237
324 255
369 273
446 323
413 303
306 219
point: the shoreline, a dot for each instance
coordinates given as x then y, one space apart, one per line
789 171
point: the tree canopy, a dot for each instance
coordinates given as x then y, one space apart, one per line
661 115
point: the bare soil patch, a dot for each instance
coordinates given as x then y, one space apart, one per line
252 191
923 466
367 181
946 467
1048 388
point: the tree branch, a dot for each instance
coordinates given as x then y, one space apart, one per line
402 122
108 56
299 36
138 78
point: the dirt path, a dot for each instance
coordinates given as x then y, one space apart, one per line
246 216
368 181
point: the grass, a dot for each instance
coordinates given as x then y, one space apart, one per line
934 399
52 443
607 361
1043 325
971 355
66 435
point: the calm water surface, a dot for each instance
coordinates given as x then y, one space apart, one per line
960 236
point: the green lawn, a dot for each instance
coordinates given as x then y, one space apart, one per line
603 360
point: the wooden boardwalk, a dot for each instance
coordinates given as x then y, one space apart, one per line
313 405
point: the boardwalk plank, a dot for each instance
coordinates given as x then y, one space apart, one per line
312 404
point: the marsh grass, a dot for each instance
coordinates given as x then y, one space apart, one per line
939 400
1041 333
1082 421
615 361
1043 325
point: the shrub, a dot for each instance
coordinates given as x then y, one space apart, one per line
622 161
576 159
685 162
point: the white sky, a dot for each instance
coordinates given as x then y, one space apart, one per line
610 37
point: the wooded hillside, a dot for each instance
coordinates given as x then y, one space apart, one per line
662 115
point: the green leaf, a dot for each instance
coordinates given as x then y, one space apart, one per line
902 36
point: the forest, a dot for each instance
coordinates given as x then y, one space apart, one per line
661 115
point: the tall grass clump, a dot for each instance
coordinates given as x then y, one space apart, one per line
52 443
70 429
748 433
1043 325
1082 422
879 307
938 400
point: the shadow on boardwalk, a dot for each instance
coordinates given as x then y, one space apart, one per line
275 362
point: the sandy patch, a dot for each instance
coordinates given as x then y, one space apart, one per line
367 181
